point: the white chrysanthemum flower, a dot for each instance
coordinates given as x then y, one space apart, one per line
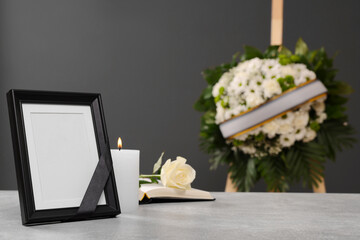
254 65
285 128
269 65
300 80
224 81
228 114
271 88
305 107
270 129
319 107
235 110
248 149
274 150
299 67
288 70
322 99
242 137
254 132
309 135
287 118
255 84
308 75
301 119
321 118
300 133
220 114
287 140
238 85
253 99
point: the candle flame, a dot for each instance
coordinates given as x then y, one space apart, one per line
119 143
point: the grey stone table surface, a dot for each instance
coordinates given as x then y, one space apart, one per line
231 216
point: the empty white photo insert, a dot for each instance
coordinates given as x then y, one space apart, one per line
62 153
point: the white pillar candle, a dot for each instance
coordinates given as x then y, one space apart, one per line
126 169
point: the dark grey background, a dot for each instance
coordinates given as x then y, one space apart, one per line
145 58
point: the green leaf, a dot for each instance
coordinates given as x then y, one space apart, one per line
274 171
315 126
334 135
305 161
284 60
295 58
205 102
221 90
158 163
207 94
335 111
199 105
212 75
340 88
285 51
286 83
243 173
141 182
336 100
301 48
235 59
271 52
224 104
251 52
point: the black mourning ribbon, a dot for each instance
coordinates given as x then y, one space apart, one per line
96 186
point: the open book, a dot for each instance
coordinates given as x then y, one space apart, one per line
158 193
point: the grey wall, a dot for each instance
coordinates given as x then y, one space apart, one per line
145 58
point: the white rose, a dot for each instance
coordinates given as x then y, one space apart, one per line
271 88
309 135
177 174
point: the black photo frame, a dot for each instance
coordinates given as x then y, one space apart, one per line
38 163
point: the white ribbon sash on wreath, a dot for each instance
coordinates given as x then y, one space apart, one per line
273 108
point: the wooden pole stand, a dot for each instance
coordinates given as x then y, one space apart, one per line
230 187
277 8
321 187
